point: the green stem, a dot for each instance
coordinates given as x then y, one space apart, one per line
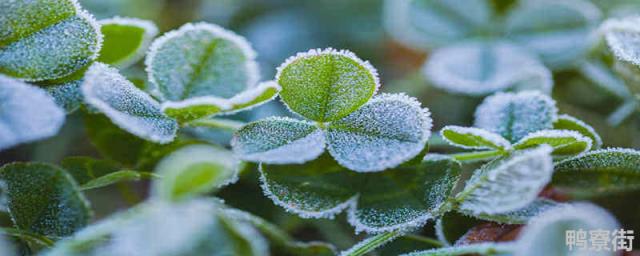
371 243
28 236
224 124
477 155
426 240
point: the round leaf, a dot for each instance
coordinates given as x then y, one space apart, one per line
326 85
473 138
567 122
125 40
563 142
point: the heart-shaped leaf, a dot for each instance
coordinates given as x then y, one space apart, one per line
127 106
326 85
67 95
125 40
480 68
44 199
509 183
194 170
27 113
394 199
563 142
515 115
47 39
598 172
623 38
278 140
567 122
384 133
473 138
200 60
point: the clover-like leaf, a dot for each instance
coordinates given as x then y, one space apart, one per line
27 113
434 23
558 31
125 40
514 115
199 60
127 106
44 199
563 142
484 248
599 171
507 184
394 199
567 122
623 37
545 234
278 140
326 85
387 131
67 95
473 138
46 39
194 170
480 68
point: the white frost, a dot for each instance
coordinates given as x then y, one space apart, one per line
496 141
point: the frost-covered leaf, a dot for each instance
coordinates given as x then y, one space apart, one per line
546 234
278 140
563 142
480 68
199 60
473 138
127 106
399 198
598 172
115 177
567 122
433 23
507 184
558 31
125 40
623 37
453 225
44 199
514 115
254 97
27 113
485 248
326 85
384 133
46 39
67 95
520 216
194 170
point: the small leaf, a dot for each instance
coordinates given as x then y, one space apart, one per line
598 172
563 142
194 170
522 215
44 40
67 95
253 97
473 138
623 37
507 184
27 113
514 115
558 31
195 108
486 248
125 40
127 106
84 169
278 140
44 199
386 132
567 122
452 226
199 60
115 177
480 68
326 85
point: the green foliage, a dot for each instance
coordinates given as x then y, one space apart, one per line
473 138
125 40
567 122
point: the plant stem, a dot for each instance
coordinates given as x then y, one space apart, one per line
371 243
477 155
224 124
426 240
28 236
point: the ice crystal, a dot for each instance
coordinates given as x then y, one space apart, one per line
67 95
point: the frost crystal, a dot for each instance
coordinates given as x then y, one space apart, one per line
67 95
127 106
473 138
27 113
567 122
514 115
564 142
623 37
387 131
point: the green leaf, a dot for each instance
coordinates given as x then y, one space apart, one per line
567 122
200 60
326 85
125 40
558 31
386 132
127 106
194 170
473 138
453 225
278 140
400 198
563 142
45 39
599 172
507 184
253 97
44 199
112 142
84 169
67 95
485 248
623 38
367 245
515 115
520 216
27 113
116 177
